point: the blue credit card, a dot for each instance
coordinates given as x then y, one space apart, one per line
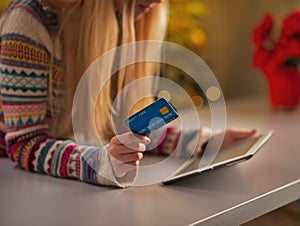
152 117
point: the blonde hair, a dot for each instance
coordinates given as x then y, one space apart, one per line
89 30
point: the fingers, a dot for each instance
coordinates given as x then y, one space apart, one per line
130 158
119 149
240 133
129 137
126 152
233 135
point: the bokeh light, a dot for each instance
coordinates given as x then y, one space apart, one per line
213 93
198 101
164 94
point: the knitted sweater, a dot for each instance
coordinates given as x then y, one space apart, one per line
26 42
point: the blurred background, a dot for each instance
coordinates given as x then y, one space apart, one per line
3 3
220 32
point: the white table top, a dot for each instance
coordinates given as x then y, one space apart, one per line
227 196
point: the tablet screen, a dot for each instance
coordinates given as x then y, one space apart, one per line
238 150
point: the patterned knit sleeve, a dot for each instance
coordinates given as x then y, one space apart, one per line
184 143
25 49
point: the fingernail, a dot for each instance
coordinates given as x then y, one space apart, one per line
147 140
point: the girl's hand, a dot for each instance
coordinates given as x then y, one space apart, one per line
233 135
126 150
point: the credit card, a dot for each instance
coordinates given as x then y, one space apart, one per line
152 117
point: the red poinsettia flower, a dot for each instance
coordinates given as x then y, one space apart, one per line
278 60
293 49
291 26
262 31
261 57
290 36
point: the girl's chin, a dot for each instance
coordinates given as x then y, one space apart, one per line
140 14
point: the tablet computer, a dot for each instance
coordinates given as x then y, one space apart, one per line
238 152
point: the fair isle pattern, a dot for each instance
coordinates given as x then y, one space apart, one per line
170 141
188 144
57 158
39 155
40 11
24 152
21 51
2 132
20 113
49 156
24 72
2 144
89 161
73 165
25 112
20 116
16 81
182 143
